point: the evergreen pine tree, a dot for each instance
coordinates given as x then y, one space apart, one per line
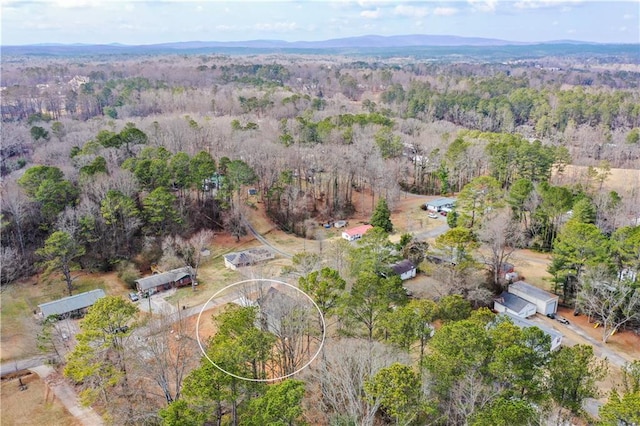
381 216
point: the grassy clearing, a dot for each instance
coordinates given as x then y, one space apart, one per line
19 301
29 407
212 276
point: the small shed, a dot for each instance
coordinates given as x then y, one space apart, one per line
405 268
249 257
556 336
441 205
513 304
356 233
76 304
546 303
164 281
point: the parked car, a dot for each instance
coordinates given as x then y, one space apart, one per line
433 215
134 297
340 224
552 316
562 320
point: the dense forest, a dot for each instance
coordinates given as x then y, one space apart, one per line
111 162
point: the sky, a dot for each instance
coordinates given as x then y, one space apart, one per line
159 21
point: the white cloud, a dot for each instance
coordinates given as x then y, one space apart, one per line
411 11
536 4
371 14
279 27
623 29
445 11
483 5
226 27
73 4
628 16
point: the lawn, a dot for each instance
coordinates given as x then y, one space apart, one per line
29 407
19 302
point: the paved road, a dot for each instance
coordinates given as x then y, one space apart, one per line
432 233
21 364
266 242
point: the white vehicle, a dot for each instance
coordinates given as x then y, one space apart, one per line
433 215
340 224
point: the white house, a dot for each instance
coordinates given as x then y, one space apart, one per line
556 336
441 205
514 305
405 268
356 233
546 303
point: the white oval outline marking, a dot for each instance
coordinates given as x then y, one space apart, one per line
204 352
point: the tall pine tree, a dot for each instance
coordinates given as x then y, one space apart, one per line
382 216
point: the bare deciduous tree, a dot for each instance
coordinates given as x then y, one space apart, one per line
501 236
166 353
612 301
341 374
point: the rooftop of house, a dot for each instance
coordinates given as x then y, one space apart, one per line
523 323
403 266
512 302
532 290
441 202
71 303
358 230
249 256
156 280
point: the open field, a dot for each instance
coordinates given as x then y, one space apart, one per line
623 181
33 406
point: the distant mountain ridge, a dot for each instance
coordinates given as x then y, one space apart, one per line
366 41
416 46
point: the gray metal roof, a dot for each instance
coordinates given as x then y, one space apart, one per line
513 302
71 303
522 323
154 281
440 202
250 256
533 291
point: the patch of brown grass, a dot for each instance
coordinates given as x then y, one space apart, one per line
29 407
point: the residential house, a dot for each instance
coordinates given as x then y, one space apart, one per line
441 205
514 305
249 257
405 268
75 305
556 336
546 303
356 233
180 277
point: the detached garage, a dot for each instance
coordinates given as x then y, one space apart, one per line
546 303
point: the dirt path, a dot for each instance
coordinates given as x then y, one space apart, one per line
67 395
